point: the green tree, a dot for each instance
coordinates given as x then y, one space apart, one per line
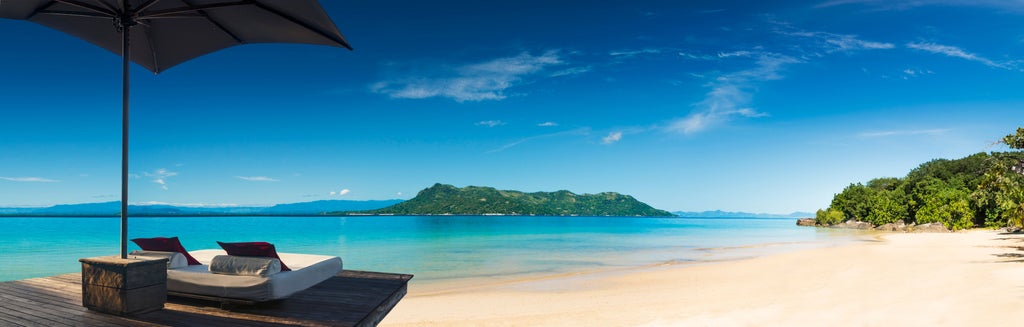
888 206
829 217
854 201
950 206
1001 191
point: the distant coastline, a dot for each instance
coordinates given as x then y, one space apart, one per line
437 200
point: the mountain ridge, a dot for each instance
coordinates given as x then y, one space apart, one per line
443 199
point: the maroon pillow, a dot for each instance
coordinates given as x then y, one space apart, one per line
166 244
253 249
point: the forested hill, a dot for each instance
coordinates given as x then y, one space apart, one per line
442 199
984 189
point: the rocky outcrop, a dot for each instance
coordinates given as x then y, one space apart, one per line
806 222
930 228
851 224
898 226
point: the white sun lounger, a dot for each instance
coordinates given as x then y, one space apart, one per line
197 280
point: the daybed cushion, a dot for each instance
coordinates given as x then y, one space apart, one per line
307 270
244 266
170 244
175 260
253 249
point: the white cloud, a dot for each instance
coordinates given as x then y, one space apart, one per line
688 55
742 53
343 192
634 53
612 138
473 82
903 133
490 123
955 52
160 176
850 42
548 124
571 71
257 178
29 179
731 95
831 42
909 73
1017 6
578 131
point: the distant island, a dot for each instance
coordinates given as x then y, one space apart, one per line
442 199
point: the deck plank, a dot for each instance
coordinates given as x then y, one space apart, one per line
352 298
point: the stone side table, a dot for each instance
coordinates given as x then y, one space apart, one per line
123 286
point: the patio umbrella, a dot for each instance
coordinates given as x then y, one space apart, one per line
158 34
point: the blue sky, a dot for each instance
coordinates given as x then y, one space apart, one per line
686 105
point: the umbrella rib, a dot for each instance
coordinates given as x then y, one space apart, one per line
73 14
105 5
87 6
146 6
173 11
336 39
152 51
204 14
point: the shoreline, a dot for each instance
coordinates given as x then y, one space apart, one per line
640 261
956 279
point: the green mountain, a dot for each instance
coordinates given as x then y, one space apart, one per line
442 199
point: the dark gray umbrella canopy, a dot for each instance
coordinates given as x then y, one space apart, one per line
169 32
159 34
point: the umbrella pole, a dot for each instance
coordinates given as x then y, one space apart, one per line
125 59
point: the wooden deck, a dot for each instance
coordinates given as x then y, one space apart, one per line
352 298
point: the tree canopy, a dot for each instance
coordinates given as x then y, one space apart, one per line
984 189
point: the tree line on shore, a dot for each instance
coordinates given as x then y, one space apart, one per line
984 189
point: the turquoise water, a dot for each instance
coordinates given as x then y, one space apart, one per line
434 248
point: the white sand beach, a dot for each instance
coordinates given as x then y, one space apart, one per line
973 278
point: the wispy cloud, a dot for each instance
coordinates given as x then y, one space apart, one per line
571 71
548 124
850 43
832 42
482 81
29 179
489 123
731 95
741 53
341 193
956 52
257 178
910 73
1009 5
160 176
874 134
612 137
692 56
635 52
578 131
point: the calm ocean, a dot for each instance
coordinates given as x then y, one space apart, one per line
434 248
